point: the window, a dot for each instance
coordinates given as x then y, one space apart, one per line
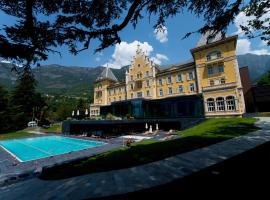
139 65
179 77
147 73
222 81
190 76
148 93
131 95
220 68
139 94
230 102
160 92
215 70
147 83
181 89
120 98
119 90
113 91
212 82
131 78
110 92
169 79
170 91
210 70
132 86
213 55
191 87
211 105
220 104
109 100
139 84
160 81
98 94
114 99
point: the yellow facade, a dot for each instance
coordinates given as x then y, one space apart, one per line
213 73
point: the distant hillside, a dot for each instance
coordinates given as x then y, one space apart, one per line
78 81
258 65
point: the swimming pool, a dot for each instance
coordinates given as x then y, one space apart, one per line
46 146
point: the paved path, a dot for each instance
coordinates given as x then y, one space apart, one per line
140 177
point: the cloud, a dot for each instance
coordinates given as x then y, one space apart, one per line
159 58
242 19
244 46
5 61
161 34
124 53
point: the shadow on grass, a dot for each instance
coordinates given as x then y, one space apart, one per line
129 157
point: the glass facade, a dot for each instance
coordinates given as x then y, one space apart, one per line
174 107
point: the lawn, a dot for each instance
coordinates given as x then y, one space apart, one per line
209 132
56 128
15 135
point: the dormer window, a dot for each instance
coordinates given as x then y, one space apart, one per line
213 55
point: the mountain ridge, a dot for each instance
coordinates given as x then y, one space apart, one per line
55 79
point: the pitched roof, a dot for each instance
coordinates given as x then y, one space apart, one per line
106 74
208 38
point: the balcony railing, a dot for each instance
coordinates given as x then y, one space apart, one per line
216 60
220 86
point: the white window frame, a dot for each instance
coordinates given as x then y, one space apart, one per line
211 106
160 92
192 87
220 104
170 91
182 89
231 103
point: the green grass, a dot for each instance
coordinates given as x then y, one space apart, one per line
264 114
209 132
56 128
15 135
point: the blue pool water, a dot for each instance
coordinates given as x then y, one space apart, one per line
41 147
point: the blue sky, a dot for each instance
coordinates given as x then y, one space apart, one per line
167 49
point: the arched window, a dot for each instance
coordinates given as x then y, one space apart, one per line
211 105
230 101
220 104
213 55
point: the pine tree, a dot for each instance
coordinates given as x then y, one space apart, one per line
26 102
4 111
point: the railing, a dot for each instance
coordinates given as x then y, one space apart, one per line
220 86
210 61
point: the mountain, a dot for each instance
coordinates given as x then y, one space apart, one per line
258 65
78 81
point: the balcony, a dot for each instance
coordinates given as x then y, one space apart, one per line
215 60
220 86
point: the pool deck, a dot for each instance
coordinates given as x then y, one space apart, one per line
12 170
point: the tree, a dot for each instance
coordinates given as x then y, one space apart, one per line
265 79
4 110
44 24
81 106
26 102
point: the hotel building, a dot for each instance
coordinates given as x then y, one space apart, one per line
209 85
